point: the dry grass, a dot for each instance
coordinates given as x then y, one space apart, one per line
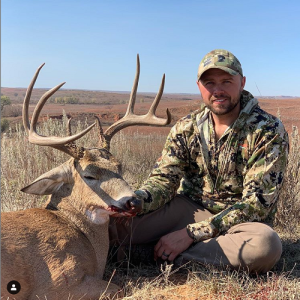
22 162
195 282
287 219
212 284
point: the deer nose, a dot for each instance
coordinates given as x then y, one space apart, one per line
134 205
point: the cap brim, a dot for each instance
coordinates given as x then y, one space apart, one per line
227 70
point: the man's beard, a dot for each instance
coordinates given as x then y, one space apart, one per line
226 108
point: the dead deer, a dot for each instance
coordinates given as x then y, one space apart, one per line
60 251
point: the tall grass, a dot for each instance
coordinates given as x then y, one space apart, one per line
22 162
287 219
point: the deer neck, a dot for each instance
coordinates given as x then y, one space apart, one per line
97 234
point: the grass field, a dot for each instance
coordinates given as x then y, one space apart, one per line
22 162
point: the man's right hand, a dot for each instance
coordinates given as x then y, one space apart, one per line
141 194
141 197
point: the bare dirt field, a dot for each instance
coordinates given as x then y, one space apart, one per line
110 106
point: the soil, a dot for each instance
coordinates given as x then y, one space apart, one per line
111 106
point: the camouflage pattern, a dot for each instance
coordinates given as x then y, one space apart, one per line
220 59
237 178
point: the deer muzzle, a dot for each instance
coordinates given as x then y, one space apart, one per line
127 206
134 205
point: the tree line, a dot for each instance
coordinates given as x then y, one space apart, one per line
64 100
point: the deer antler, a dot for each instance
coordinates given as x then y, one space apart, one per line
64 144
130 119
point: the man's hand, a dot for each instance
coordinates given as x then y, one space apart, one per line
171 245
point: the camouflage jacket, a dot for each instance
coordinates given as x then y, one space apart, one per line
237 178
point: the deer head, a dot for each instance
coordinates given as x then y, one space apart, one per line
90 181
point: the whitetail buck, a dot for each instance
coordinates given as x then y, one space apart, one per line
60 252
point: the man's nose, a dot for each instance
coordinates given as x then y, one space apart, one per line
218 90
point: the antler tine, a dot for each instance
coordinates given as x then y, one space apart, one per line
130 119
26 122
155 103
102 141
69 127
51 140
132 98
64 144
41 104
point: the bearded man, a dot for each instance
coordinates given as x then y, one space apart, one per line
218 179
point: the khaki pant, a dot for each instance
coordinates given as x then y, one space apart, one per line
250 246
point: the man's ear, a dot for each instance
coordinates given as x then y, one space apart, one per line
243 82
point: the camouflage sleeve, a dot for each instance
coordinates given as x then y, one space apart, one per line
262 182
164 180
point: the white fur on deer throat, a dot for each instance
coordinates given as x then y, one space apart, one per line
98 215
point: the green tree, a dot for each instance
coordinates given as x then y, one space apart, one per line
4 125
5 100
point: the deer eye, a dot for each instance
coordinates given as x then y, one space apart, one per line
90 178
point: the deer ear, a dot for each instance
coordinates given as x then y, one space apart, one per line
50 182
44 186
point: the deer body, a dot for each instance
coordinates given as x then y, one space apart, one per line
60 252
63 260
68 240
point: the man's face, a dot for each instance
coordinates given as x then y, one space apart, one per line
221 91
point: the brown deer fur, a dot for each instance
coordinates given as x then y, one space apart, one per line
59 252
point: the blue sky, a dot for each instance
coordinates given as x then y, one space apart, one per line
93 44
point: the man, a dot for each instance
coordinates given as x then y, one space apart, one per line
217 181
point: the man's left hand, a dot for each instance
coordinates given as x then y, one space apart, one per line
171 245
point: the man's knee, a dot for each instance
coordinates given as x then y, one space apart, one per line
268 249
261 247
254 247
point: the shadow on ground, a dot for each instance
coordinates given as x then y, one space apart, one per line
290 258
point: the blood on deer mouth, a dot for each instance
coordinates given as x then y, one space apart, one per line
120 212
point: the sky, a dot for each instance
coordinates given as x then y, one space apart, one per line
93 44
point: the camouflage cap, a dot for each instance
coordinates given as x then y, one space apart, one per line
220 59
